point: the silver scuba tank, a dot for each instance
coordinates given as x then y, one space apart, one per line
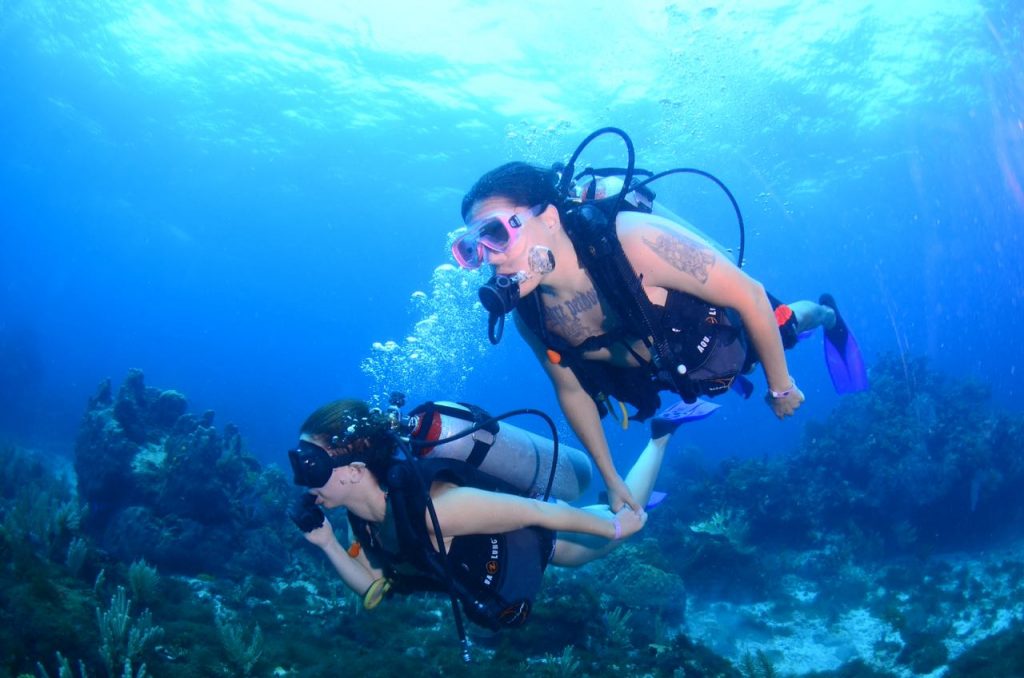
512 454
598 188
601 187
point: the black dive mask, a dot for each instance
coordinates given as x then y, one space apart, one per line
311 465
499 296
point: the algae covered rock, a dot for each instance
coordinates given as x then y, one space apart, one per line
165 485
634 577
168 407
919 462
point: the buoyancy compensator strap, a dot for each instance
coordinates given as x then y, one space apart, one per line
481 443
429 427
592 231
485 605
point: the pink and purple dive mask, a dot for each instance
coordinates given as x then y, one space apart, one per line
495 232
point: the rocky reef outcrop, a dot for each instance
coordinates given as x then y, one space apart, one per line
921 463
166 485
895 525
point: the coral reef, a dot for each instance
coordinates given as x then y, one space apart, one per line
847 534
122 637
163 487
636 577
999 655
243 655
174 555
167 486
920 462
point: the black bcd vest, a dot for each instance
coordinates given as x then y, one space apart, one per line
696 348
495 576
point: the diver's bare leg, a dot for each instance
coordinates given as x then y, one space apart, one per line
810 315
572 549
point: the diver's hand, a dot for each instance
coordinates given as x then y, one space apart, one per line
628 522
619 495
306 515
786 405
322 536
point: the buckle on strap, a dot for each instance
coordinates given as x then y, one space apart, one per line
483 437
482 442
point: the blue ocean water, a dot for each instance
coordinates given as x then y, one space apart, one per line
242 198
252 202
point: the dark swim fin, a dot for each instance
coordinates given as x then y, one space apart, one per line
669 419
742 385
842 354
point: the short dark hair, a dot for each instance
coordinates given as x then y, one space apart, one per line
520 182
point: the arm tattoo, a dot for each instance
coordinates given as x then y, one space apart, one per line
684 255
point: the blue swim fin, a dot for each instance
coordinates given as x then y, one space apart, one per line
669 419
655 499
842 354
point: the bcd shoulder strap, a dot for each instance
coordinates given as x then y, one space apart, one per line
592 232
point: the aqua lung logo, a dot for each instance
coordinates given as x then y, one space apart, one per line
712 319
492 564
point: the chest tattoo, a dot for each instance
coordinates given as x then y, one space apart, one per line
684 255
564 318
584 301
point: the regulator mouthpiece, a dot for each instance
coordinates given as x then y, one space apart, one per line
499 296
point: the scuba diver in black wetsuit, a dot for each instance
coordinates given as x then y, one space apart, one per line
616 301
496 541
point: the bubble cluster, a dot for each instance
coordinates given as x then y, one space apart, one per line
447 339
542 145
